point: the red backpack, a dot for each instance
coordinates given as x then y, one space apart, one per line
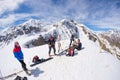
35 59
70 52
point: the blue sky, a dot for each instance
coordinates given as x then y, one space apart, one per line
95 14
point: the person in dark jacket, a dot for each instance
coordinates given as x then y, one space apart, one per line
51 44
19 55
77 45
71 39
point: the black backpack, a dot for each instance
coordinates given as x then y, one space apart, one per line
20 78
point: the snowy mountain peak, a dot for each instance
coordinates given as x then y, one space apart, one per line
29 27
113 32
64 27
63 20
66 21
32 22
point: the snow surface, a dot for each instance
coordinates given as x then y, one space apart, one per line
88 64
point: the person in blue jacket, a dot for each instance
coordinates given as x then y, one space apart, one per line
19 55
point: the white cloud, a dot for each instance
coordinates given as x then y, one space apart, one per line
9 5
7 20
11 18
99 13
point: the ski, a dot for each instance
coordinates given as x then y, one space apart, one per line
42 61
16 73
11 75
63 52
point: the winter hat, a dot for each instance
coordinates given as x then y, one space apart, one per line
51 37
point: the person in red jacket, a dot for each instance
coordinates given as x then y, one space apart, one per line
19 55
70 51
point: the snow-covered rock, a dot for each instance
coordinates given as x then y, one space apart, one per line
111 41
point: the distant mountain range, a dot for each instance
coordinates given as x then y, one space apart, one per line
109 41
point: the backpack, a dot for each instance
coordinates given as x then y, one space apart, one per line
71 52
20 78
35 59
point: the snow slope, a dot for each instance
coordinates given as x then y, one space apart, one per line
88 64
